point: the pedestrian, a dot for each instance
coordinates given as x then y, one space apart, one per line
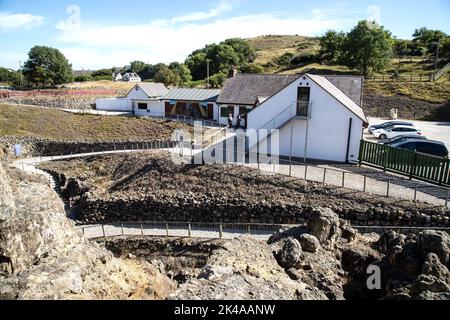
230 120
239 119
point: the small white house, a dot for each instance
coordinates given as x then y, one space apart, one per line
143 100
317 117
131 77
117 77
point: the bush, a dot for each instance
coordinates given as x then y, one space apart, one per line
304 58
83 78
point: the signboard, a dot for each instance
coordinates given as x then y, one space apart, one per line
18 150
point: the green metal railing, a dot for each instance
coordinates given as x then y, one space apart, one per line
415 165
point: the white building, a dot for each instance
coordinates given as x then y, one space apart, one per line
318 117
131 77
143 100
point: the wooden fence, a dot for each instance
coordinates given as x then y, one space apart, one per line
419 166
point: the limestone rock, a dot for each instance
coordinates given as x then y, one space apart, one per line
309 243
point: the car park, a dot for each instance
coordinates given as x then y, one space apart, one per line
430 147
389 124
396 131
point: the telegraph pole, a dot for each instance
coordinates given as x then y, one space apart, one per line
207 72
437 57
21 74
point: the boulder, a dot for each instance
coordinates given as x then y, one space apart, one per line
290 254
324 224
436 242
309 243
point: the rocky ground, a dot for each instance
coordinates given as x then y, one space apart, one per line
376 105
151 187
42 256
324 260
63 102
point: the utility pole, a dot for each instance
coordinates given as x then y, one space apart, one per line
437 57
207 72
21 74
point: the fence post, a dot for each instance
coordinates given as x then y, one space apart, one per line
448 196
167 229
189 230
324 175
142 229
290 169
121 227
306 171
388 187
415 191
103 231
365 183
220 231
343 179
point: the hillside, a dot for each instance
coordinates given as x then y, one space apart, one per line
42 123
271 47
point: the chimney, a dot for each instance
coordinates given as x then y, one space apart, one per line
233 72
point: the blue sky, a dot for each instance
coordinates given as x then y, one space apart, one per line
103 33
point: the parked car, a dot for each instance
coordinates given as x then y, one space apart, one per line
389 124
435 148
402 138
396 131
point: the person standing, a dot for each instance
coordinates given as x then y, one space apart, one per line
230 120
238 121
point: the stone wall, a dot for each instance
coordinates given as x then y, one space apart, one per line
76 103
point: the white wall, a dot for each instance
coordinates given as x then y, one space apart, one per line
114 104
137 94
154 108
328 127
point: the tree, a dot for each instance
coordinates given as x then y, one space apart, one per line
47 67
368 47
10 77
429 38
252 68
138 67
183 72
332 46
445 49
286 59
217 80
167 76
196 62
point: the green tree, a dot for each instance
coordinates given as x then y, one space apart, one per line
286 59
196 62
138 67
217 80
9 76
167 76
47 67
183 72
242 48
445 49
368 48
332 46
252 68
428 38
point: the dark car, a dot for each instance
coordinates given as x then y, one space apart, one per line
402 138
434 148
390 124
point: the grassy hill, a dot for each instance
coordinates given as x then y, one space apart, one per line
23 121
271 47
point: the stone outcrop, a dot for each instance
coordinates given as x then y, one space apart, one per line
42 256
65 102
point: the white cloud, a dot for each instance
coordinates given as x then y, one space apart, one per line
94 46
10 21
222 7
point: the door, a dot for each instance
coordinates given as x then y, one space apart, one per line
303 98
168 109
210 111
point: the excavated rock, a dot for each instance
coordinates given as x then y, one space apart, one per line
42 256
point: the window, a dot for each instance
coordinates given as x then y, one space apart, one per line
225 111
303 98
142 106
409 146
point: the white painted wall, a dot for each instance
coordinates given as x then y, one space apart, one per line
154 108
113 104
328 127
138 94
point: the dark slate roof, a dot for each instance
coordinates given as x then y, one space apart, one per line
185 94
245 89
352 86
